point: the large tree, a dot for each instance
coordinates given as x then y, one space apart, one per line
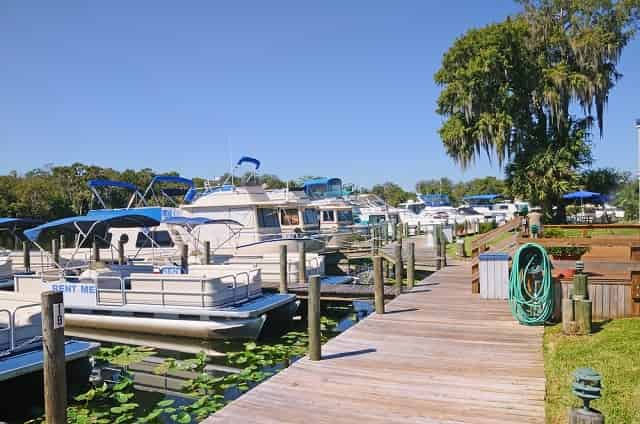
508 89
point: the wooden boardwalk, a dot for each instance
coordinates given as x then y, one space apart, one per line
441 355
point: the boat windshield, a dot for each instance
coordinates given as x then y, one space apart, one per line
328 216
311 216
345 215
268 218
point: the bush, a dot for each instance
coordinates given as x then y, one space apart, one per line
485 227
567 251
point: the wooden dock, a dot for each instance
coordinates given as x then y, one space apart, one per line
440 355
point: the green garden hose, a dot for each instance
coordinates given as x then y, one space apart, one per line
530 285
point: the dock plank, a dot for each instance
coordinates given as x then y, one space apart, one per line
441 355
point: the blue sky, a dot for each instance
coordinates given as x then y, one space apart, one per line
339 88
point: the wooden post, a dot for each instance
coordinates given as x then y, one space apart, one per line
580 290
397 254
418 229
302 263
378 284
313 317
582 312
26 255
96 251
121 257
61 241
394 232
284 269
568 322
406 230
411 265
400 232
55 251
184 259
54 367
207 252
443 247
585 416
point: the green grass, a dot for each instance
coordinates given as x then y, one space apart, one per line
613 351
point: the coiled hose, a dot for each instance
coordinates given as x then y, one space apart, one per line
530 285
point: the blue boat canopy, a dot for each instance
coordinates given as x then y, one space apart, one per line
483 197
19 224
100 220
111 183
172 179
248 159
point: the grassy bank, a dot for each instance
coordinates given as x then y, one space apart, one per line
614 351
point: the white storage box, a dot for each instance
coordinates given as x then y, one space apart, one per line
494 275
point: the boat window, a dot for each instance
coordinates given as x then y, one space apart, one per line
416 207
345 215
328 216
160 238
289 217
268 218
376 219
311 216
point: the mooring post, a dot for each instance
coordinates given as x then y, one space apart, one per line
26 255
283 269
54 368
397 254
406 230
184 259
378 284
411 265
96 251
62 241
207 252
443 246
302 263
121 255
418 229
55 251
313 317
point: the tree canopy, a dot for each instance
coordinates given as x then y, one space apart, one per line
508 90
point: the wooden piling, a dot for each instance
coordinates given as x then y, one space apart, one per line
26 255
418 229
283 269
55 251
443 246
184 259
411 265
62 245
207 252
378 284
96 251
568 322
397 255
313 318
585 416
54 367
302 263
580 290
406 230
582 313
121 256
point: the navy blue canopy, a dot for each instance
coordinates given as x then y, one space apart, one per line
172 179
581 194
487 197
111 183
248 159
100 220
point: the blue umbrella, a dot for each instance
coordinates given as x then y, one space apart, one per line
581 194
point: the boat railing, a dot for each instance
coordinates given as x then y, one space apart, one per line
241 282
11 328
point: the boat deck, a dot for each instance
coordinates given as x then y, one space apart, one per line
439 354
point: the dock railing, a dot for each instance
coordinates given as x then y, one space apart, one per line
483 243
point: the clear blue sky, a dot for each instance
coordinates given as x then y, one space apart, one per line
338 88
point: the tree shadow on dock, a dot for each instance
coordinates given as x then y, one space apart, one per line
346 354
